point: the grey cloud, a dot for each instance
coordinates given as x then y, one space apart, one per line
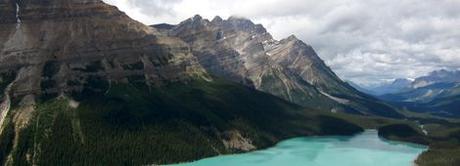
156 7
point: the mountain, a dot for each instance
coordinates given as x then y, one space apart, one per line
439 99
83 84
57 48
398 85
403 85
445 106
436 93
439 76
359 87
426 93
239 50
437 84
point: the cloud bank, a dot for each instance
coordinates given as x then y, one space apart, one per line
365 41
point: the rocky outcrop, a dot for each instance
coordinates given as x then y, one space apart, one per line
233 140
51 48
244 52
5 106
73 46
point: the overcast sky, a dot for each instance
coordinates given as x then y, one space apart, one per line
365 41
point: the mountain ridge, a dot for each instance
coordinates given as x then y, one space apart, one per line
437 76
398 85
436 93
241 51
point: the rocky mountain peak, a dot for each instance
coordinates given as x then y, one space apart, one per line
295 42
217 20
197 18
292 38
240 23
239 50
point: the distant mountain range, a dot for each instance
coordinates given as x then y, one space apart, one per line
360 88
396 86
439 99
438 92
426 93
439 76
403 85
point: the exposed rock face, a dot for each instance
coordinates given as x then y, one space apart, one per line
235 141
65 46
239 50
243 52
250 51
50 48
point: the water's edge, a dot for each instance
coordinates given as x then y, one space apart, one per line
367 135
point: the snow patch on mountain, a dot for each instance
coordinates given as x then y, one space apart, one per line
337 99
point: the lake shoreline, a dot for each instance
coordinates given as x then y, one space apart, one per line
352 144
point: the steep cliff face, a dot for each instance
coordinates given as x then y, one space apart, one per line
241 51
51 48
300 59
67 46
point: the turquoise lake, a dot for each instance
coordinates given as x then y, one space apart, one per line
365 149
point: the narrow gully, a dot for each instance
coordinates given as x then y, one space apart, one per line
18 19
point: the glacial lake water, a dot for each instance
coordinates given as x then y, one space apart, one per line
364 149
